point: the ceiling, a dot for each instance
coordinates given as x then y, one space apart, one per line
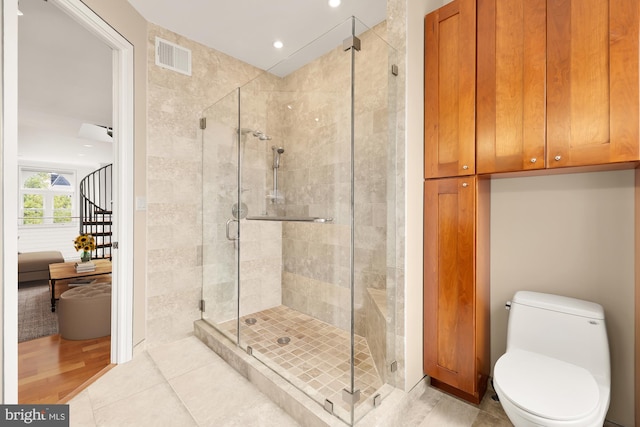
64 80
65 71
246 29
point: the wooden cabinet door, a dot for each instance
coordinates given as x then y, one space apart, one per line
592 82
449 123
449 284
510 122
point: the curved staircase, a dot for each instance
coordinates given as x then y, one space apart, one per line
96 215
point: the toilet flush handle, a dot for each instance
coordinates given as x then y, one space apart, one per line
507 306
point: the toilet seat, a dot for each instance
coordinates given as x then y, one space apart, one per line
546 387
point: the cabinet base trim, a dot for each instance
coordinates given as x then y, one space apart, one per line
475 398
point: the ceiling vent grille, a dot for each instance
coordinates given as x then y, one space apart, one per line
170 55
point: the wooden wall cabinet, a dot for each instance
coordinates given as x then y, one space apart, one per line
511 85
450 78
592 82
582 55
557 85
456 285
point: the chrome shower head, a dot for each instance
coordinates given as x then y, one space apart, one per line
261 135
256 133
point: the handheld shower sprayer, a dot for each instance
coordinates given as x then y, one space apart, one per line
276 156
277 151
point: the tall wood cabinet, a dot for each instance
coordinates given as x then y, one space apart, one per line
456 318
456 291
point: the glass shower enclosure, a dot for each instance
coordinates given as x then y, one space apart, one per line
299 223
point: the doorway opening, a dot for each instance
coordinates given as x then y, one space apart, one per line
122 133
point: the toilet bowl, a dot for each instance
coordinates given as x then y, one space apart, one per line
556 369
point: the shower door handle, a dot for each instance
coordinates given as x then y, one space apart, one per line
229 237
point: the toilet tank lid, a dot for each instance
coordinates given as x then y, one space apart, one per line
559 303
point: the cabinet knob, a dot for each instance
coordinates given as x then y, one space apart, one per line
533 160
465 167
557 158
464 184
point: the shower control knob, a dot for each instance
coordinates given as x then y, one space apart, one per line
557 158
239 211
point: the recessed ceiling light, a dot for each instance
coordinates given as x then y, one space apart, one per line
334 3
278 44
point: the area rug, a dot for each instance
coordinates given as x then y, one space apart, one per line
35 318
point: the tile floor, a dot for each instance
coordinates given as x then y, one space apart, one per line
317 357
179 384
186 384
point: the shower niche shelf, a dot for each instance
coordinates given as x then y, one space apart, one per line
289 218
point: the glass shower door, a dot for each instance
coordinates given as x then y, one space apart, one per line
375 219
221 212
295 300
299 252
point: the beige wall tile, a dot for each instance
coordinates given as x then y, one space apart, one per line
314 177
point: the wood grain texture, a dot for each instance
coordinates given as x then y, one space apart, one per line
52 368
482 285
637 297
66 270
450 38
592 83
450 307
624 41
511 77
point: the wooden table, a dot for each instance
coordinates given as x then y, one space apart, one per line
67 270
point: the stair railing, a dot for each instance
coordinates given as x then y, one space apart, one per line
96 195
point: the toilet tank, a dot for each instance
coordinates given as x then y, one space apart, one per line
565 328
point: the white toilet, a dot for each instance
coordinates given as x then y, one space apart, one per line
556 370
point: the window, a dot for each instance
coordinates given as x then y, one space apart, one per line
46 197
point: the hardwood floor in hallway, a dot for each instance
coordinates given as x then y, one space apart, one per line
51 369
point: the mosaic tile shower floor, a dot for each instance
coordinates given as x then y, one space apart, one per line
317 358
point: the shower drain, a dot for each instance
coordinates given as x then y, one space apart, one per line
250 321
284 340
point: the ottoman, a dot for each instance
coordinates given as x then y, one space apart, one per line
84 312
